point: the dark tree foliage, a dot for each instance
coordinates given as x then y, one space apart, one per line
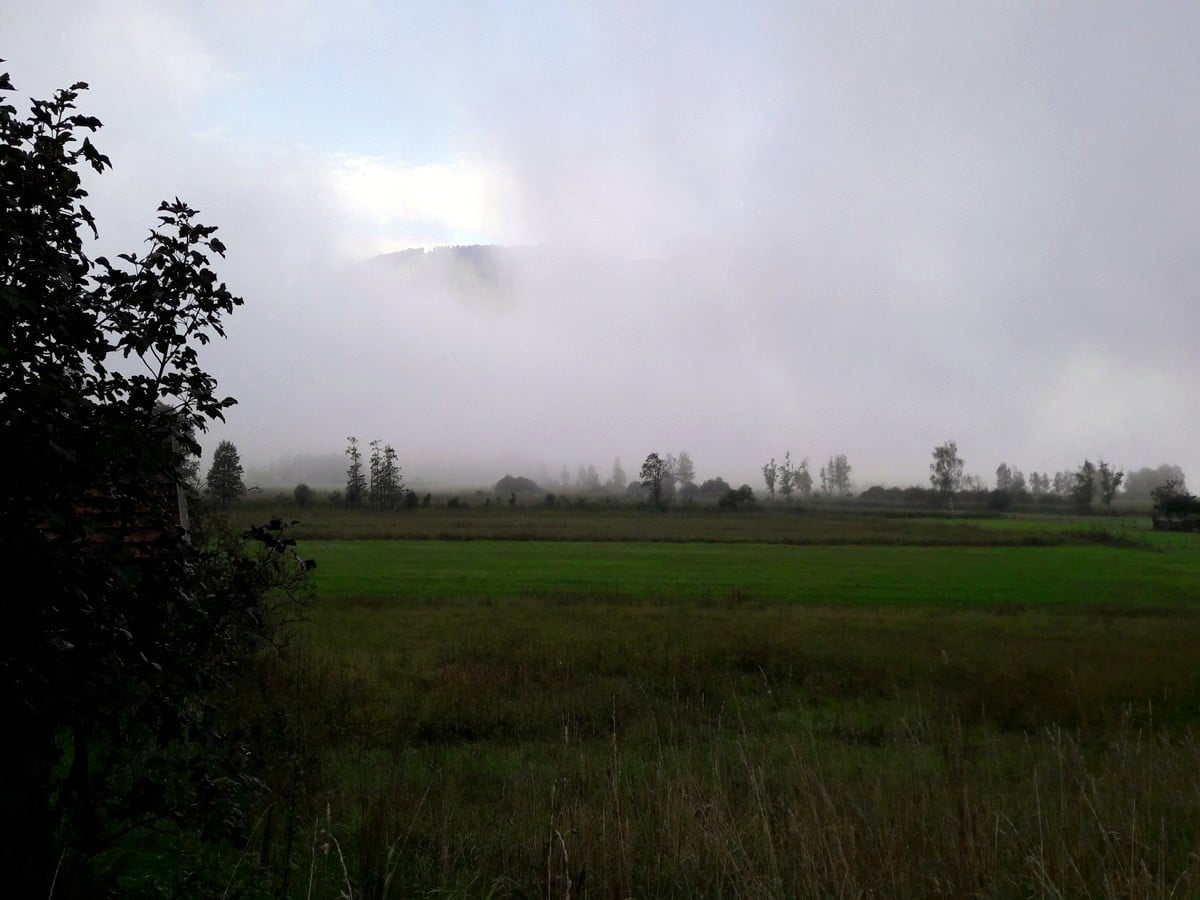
1171 498
1109 482
386 487
224 479
303 495
119 627
516 484
356 481
713 488
654 475
742 498
1084 489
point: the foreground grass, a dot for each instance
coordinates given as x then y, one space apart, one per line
662 719
538 748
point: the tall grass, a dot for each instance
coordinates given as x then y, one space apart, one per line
895 707
582 749
779 523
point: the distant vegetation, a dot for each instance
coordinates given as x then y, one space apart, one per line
522 487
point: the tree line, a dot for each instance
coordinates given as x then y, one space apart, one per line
1084 486
381 486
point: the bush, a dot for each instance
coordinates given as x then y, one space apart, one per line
122 632
740 499
1000 500
303 495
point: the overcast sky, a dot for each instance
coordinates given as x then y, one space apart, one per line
825 227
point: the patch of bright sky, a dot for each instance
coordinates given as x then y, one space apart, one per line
381 104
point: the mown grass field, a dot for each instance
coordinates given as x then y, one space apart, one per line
1005 579
592 711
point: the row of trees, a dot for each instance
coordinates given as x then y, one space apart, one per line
1085 485
787 478
381 486
662 475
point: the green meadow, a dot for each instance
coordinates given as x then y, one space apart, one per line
630 703
1005 578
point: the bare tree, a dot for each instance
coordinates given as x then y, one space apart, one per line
803 480
787 476
1110 483
770 473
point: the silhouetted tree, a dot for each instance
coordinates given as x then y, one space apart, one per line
386 487
119 630
1171 498
518 484
787 474
742 498
356 481
224 479
770 473
946 470
1084 489
803 480
654 474
1003 477
1016 485
1109 482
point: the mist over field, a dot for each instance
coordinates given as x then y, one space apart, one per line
817 227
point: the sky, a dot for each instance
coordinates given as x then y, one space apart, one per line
743 229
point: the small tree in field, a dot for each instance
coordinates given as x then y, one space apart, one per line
787 476
770 472
655 474
224 479
835 477
1109 483
1083 491
803 480
946 470
303 495
356 481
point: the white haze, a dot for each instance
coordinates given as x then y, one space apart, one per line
829 228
